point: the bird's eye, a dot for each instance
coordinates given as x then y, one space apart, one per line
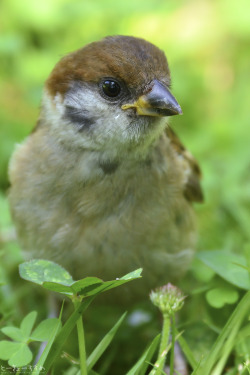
111 88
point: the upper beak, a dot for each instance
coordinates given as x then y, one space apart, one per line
156 102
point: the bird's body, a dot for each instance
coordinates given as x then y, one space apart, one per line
103 186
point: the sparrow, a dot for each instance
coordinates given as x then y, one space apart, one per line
103 185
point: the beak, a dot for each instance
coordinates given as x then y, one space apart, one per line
156 102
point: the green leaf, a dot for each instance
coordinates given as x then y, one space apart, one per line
55 278
102 346
132 275
90 286
218 297
227 266
98 288
244 333
140 367
201 271
85 285
58 288
28 323
39 271
44 329
107 285
8 348
14 333
22 357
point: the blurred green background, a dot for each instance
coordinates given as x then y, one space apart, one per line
207 43
208 47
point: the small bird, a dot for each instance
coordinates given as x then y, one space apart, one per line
103 185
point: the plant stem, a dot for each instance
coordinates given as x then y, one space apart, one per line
159 365
81 342
172 347
165 333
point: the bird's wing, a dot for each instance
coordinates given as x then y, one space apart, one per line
192 188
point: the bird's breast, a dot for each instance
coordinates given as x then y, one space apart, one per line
103 219
129 216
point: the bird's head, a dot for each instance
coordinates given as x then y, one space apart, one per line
111 94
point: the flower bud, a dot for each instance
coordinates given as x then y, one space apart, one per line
168 299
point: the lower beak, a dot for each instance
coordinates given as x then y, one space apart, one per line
157 102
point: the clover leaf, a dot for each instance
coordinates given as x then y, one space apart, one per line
55 278
17 352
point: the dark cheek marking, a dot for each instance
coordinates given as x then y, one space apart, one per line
108 167
79 117
179 219
85 124
148 162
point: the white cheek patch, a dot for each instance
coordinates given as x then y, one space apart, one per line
107 121
58 100
52 108
84 119
78 96
62 129
83 98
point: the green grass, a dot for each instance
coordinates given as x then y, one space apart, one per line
16 351
207 45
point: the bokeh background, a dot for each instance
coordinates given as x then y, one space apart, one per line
207 43
208 47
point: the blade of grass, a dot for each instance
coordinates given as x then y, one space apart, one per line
226 352
39 366
159 364
187 351
149 356
197 367
109 357
64 333
102 346
141 366
156 369
82 347
235 320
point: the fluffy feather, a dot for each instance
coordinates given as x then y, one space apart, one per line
103 190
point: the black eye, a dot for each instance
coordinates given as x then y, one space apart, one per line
111 88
